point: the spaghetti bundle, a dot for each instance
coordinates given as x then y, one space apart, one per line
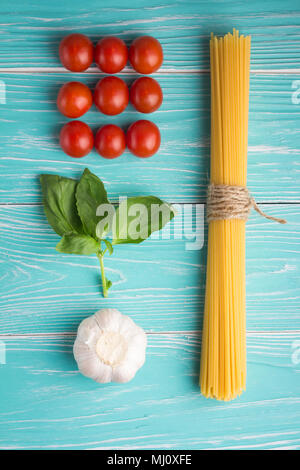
223 357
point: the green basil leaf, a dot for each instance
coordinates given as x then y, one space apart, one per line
78 244
137 217
108 283
90 194
60 203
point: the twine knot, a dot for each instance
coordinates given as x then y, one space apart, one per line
232 202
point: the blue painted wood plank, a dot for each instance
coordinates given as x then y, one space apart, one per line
44 401
30 125
47 404
31 31
159 283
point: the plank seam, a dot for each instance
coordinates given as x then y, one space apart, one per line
148 333
203 202
95 70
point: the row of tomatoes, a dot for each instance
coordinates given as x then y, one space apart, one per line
142 139
77 53
111 96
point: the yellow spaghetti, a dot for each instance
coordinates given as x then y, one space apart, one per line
223 357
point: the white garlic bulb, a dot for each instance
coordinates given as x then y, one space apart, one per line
109 347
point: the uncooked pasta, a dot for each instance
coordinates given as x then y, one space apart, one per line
223 356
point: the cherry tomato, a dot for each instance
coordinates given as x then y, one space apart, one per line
76 52
111 95
146 54
143 138
76 139
110 141
74 99
146 95
111 54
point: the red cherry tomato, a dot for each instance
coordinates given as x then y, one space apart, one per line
74 99
76 52
146 95
110 141
76 139
146 54
111 54
111 95
143 138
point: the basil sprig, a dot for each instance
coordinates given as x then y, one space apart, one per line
80 212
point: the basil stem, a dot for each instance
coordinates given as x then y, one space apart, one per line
104 286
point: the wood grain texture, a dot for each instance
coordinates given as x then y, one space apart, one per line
31 31
159 283
47 404
30 125
44 401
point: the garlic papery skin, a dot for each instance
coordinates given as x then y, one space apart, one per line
109 347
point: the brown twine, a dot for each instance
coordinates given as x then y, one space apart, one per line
232 202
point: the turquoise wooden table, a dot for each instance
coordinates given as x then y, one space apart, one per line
44 401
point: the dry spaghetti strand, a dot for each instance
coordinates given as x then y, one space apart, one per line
223 357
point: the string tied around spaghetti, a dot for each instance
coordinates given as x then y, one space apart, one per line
232 202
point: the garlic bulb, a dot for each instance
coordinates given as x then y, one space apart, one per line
109 347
